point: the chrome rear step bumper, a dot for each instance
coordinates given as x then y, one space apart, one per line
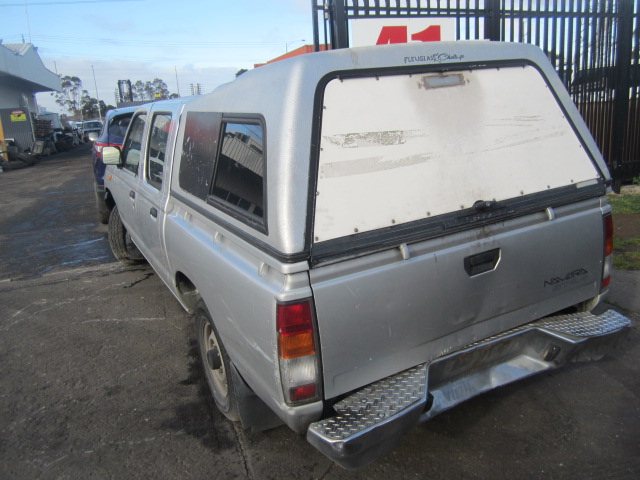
368 423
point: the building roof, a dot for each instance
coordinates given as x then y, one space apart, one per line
293 53
20 63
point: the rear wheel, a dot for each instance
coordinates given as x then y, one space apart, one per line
121 244
215 363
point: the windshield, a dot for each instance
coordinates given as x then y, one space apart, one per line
86 125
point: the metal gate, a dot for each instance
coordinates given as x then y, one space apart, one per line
593 44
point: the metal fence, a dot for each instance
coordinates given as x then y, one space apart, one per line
593 44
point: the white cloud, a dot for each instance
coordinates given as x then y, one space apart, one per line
108 72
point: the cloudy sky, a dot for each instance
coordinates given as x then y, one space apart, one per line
205 42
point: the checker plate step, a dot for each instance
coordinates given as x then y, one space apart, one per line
370 421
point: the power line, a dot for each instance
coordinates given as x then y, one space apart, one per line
67 2
148 43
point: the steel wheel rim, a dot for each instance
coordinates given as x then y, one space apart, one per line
219 376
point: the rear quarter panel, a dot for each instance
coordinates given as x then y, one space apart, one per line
240 286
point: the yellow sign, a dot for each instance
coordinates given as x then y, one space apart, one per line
18 116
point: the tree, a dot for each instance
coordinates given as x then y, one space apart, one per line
137 90
71 94
240 72
90 107
150 90
159 89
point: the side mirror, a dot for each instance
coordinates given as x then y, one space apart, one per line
93 136
111 155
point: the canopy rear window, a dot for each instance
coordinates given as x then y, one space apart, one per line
401 148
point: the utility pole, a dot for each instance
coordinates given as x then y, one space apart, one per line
177 84
97 97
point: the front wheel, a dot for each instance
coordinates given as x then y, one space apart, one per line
215 363
121 244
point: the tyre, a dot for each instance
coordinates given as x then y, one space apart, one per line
121 244
215 363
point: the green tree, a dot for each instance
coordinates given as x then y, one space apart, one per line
150 90
90 107
137 90
159 89
71 94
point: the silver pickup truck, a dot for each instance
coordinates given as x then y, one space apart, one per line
368 237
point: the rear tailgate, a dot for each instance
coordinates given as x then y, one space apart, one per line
449 207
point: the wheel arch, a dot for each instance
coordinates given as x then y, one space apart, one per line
187 292
108 199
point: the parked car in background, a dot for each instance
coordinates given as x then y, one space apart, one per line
113 131
90 126
77 127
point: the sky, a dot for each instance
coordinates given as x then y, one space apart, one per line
201 41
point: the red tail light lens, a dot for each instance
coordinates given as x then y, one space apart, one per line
295 330
98 148
299 368
302 393
608 234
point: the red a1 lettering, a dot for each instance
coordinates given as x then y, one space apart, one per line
396 34
429 34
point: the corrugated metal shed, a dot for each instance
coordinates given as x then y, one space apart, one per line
20 62
22 75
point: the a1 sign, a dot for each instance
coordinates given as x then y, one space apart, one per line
383 31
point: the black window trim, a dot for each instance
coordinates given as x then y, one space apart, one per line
253 221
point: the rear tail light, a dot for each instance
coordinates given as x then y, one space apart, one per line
299 369
98 148
608 252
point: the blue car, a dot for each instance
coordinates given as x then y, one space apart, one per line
112 134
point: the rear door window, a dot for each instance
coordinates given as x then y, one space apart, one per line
199 147
158 136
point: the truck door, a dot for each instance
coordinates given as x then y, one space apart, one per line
152 189
131 154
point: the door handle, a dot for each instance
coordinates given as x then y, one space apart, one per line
132 194
153 212
482 262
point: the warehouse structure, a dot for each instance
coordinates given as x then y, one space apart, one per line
22 75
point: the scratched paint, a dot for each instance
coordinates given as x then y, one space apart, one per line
362 166
369 139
